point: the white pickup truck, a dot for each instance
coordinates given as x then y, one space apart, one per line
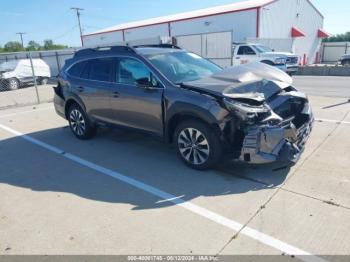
246 53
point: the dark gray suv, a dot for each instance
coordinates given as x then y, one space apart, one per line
250 113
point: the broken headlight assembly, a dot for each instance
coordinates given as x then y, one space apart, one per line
246 112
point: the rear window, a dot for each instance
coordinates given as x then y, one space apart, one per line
77 69
102 69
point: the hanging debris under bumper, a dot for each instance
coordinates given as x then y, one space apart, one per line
283 143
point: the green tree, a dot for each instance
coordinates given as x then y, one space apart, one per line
13 46
33 46
49 45
339 38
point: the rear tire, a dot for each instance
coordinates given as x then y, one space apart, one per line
346 63
79 123
43 81
13 84
198 146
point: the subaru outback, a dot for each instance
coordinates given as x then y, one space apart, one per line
250 113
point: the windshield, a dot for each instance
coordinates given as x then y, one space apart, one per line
181 67
8 66
263 49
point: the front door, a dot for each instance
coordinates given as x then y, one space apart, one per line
137 97
245 54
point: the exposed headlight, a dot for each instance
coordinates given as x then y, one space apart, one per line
244 111
280 61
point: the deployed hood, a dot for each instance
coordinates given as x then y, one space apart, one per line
255 81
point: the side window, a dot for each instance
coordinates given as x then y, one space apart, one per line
101 69
85 71
77 69
246 50
133 72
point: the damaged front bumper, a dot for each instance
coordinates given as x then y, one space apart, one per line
267 144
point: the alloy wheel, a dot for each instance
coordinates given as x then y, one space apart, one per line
77 122
193 146
13 84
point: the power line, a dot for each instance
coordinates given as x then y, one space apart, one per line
65 33
77 9
21 35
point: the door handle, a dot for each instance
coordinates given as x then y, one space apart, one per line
116 94
238 58
80 89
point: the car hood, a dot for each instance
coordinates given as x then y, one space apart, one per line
278 54
253 81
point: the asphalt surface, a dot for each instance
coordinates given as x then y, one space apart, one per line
328 86
126 193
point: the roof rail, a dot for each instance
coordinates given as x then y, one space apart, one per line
159 46
87 51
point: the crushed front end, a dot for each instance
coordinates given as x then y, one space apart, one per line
272 129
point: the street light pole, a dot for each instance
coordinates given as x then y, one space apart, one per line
21 35
77 10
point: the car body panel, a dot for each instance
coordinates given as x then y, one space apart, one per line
279 133
290 65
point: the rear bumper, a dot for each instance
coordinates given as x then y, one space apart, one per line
59 106
269 144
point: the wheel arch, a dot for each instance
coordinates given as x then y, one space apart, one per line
180 117
268 62
69 102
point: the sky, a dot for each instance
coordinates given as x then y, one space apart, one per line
53 19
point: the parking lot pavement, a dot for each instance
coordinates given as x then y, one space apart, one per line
327 86
54 205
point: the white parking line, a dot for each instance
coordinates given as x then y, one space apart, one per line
332 121
217 218
25 112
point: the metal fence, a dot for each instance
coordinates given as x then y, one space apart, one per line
28 78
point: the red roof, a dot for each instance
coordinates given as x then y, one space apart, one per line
297 32
322 34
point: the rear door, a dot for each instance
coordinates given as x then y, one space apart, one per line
94 87
137 96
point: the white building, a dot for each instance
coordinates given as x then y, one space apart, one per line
285 25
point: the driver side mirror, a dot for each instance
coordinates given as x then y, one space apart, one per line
146 83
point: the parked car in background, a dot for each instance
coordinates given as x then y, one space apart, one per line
15 73
250 112
247 53
345 60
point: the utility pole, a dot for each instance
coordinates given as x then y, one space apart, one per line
77 9
21 35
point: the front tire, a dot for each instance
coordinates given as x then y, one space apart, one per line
79 123
198 146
